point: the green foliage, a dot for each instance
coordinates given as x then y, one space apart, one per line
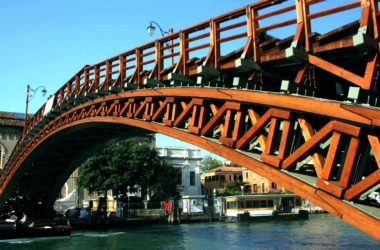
93 174
128 163
232 188
209 163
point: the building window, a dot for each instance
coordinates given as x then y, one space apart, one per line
255 188
246 175
192 178
263 187
274 186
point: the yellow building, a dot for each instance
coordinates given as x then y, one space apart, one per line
217 177
254 183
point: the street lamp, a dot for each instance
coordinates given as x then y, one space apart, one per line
30 93
242 189
150 29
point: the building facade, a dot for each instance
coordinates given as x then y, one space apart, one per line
11 126
254 183
187 162
216 178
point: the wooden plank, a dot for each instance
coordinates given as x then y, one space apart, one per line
162 108
271 160
312 141
363 185
330 187
336 70
197 123
141 107
253 130
227 122
283 150
227 105
254 117
375 146
237 125
272 129
349 162
187 112
331 155
308 132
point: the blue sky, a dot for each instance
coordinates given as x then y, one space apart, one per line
45 42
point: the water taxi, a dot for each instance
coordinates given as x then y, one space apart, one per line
263 207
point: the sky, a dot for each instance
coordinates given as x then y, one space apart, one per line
45 42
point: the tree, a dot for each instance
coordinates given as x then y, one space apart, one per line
209 163
128 163
232 188
93 174
166 182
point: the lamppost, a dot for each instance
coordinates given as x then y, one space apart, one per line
150 29
242 189
30 93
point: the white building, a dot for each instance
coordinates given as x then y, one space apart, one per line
187 161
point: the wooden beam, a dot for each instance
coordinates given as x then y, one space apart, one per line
362 186
218 116
331 155
349 162
338 71
253 130
308 133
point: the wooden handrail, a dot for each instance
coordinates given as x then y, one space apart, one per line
118 64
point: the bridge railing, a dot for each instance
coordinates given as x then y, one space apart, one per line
216 43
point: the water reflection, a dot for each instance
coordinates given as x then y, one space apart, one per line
320 232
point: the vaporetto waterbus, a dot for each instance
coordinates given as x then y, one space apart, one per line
263 207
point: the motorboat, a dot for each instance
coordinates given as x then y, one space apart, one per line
16 230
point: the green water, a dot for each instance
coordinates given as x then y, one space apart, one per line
319 232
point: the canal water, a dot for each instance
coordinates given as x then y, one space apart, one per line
321 231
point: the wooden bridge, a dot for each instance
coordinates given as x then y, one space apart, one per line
301 109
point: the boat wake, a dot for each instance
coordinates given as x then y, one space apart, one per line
97 235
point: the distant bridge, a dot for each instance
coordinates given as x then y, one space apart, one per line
301 111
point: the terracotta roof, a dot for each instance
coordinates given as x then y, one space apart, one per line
11 119
225 169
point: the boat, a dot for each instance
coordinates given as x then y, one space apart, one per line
16 230
263 207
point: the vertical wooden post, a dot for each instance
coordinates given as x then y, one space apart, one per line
96 79
86 79
216 44
159 62
122 67
68 88
183 51
108 76
77 83
138 66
